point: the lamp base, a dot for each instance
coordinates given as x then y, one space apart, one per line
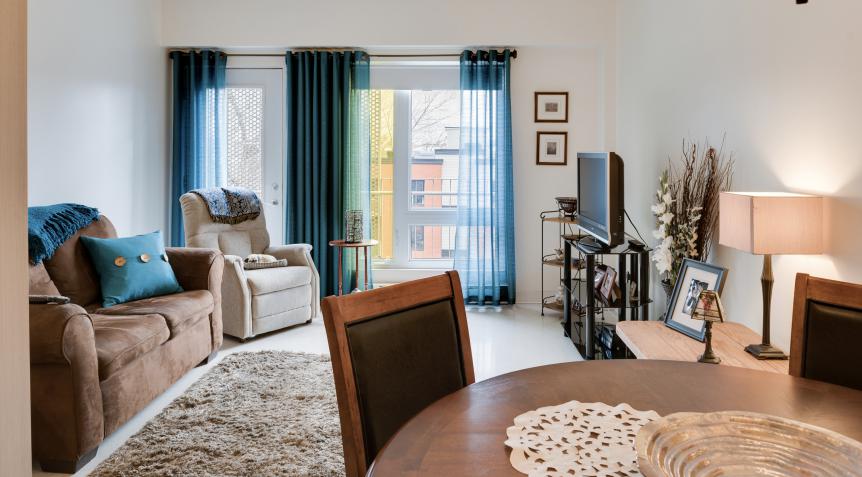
711 359
762 351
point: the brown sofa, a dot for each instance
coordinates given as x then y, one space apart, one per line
92 369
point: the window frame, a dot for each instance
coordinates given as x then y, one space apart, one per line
405 216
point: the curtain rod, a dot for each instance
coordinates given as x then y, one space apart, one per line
514 54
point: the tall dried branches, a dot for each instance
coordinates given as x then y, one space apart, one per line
687 211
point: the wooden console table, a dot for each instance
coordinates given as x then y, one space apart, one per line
654 340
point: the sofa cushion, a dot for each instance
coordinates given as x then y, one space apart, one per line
180 310
270 280
122 339
70 267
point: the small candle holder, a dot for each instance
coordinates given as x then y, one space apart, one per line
710 310
353 226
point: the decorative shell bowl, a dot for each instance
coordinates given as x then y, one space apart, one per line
568 206
735 443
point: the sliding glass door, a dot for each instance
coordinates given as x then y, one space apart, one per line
255 139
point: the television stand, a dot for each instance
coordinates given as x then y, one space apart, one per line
594 313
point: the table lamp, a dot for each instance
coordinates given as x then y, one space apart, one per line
770 223
709 310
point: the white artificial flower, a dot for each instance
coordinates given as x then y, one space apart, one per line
666 218
663 256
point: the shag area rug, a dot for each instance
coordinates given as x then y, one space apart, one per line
254 414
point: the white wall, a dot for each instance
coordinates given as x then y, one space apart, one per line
97 109
563 45
581 72
340 23
785 83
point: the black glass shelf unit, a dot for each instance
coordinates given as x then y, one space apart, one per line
632 267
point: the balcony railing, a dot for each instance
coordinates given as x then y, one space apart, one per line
437 194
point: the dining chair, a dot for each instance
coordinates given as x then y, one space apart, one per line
826 331
395 350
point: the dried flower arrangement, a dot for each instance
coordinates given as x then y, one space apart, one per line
686 210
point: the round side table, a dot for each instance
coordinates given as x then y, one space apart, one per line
341 245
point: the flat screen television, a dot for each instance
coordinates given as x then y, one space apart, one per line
600 196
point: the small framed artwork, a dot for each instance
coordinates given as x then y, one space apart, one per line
552 107
551 148
694 277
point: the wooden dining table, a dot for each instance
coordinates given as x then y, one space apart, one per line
462 434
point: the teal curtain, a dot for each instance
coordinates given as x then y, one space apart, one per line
485 233
199 128
328 154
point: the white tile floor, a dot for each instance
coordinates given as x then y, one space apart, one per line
503 339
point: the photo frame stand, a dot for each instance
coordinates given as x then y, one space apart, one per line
692 274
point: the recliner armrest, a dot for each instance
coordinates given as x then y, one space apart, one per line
295 254
299 254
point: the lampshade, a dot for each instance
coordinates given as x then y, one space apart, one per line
708 307
771 222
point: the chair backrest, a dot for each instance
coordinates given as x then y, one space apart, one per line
200 231
826 339
70 268
395 350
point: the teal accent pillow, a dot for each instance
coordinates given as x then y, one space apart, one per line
132 268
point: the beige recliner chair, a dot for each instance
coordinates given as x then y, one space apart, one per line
255 301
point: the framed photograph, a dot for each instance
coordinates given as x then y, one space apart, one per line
551 148
694 277
552 107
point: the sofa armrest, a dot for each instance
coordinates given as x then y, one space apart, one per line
48 327
300 254
201 269
66 397
196 268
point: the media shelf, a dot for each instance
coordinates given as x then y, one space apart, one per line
548 261
592 329
552 263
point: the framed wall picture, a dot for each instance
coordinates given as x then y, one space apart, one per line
552 107
694 277
551 148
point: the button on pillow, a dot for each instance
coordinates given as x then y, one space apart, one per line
125 268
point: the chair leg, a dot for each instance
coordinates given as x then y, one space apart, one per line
67 466
209 359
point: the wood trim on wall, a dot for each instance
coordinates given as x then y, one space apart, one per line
15 444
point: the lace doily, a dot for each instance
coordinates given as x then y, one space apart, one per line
575 438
